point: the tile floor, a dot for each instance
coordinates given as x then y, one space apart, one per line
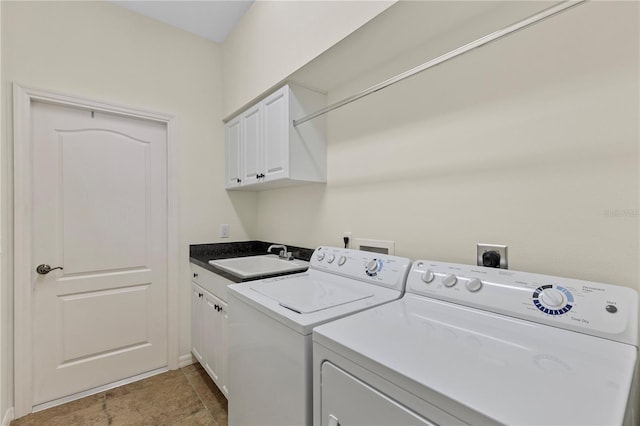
180 397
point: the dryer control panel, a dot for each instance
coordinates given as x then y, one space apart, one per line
597 309
380 269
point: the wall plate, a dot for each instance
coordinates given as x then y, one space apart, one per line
376 246
501 249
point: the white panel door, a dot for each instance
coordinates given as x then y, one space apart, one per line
276 135
233 151
214 326
224 349
197 295
252 140
100 213
211 335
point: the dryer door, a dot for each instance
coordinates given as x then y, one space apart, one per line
347 401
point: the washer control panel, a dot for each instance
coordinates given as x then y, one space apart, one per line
588 307
381 269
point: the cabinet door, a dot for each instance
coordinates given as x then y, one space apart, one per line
215 337
233 153
211 335
276 135
224 351
197 295
252 139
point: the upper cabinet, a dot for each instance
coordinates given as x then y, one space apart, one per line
264 150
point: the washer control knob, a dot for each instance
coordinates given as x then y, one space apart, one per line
449 280
342 260
473 285
331 258
372 266
320 256
428 276
552 297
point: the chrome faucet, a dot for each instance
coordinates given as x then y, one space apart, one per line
284 254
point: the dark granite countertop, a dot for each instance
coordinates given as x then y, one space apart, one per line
201 254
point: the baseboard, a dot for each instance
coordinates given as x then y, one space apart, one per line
185 360
8 416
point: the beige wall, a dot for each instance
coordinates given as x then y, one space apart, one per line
275 38
6 373
532 142
101 51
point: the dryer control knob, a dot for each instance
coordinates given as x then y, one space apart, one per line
320 256
473 285
331 258
449 280
552 297
341 260
372 266
428 276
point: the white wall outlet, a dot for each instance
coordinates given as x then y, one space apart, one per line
492 255
224 230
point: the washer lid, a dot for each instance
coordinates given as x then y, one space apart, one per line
309 296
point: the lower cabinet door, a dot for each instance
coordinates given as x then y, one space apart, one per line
197 297
224 351
214 335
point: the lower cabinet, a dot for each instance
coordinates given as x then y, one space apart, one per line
209 335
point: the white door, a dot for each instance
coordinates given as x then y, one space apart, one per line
100 213
197 295
214 319
276 135
252 139
233 139
211 340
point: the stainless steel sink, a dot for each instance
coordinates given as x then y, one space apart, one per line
254 266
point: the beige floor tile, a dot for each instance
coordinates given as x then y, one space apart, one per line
203 418
180 397
74 413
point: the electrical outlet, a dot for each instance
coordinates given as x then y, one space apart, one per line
224 230
346 237
492 255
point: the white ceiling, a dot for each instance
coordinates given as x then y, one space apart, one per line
212 19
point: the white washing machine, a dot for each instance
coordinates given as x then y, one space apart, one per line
474 345
270 325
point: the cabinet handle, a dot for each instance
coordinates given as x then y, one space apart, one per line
200 295
195 275
238 180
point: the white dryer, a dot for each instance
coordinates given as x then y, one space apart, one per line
270 325
474 345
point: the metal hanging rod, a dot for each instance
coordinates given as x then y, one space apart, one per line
531 20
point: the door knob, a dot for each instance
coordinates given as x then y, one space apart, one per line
44 269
